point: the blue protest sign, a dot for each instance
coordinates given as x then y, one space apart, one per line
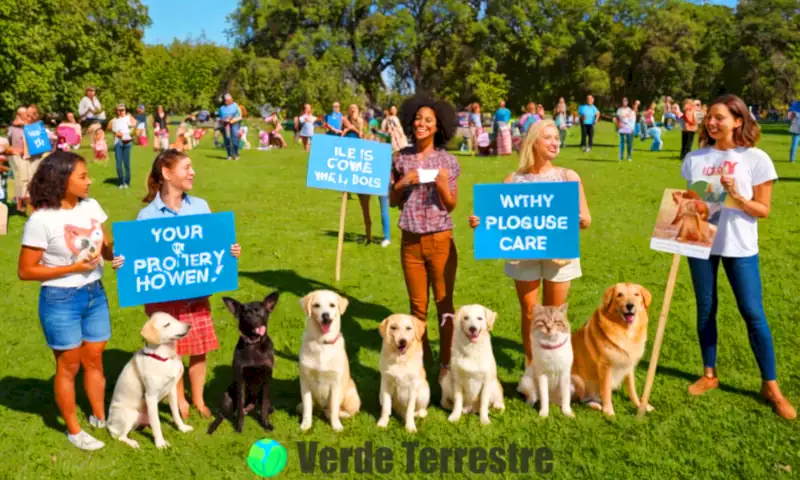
36 138
349 165
526 221
175 258
795 106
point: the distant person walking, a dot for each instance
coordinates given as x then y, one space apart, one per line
160 130
502 129
392 127
589 116
626 123
90 111
230 114
306 124
121 127
689 124
794 129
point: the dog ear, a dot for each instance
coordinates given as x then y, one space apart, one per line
343 303
306 302
419 328
233 306
383 326
150 334
270 301
490 318
646 296
448 317
608 297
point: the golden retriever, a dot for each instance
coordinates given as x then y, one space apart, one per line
691 217
404 386
324 368
607 348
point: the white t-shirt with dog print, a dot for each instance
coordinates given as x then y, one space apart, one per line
737 231
67 235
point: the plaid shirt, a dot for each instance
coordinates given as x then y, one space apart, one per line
422 210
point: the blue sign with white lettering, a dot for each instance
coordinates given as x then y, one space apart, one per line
175 258
527 221
36 138
349 165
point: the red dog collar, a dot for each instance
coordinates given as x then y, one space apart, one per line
157 357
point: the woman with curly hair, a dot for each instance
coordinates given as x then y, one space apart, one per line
63 246
428 254
728 158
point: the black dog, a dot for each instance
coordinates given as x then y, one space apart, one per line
253 361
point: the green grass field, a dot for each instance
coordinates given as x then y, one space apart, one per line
288 236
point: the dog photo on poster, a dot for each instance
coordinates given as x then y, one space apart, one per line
687 220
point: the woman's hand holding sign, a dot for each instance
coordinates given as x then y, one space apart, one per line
236 250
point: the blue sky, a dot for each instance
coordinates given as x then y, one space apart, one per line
189 18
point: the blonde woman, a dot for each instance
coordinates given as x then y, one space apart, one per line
391 126
538 151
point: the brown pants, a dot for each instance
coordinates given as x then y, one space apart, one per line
430 260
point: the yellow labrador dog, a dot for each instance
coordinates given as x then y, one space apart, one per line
404 386
470 384
324 368
151 375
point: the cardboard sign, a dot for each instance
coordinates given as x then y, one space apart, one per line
687 219
527 221
36 138
349 165
175 258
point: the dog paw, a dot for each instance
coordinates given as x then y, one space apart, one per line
650 408
568 412
383 423
337 426
500 406
485 421
161 444
422 412
454 417
185 428
305 426
411 428
132 443
544 412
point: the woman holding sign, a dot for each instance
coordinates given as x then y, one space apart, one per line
424 186
540 148
63 247
728 157
171 177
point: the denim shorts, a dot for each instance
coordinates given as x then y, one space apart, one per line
73 315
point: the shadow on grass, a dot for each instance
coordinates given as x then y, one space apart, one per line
111 181
351 237
787 179
690 377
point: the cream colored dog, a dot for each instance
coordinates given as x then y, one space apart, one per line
470 384
324 368
151 375
404 386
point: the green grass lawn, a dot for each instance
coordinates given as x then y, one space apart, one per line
288 235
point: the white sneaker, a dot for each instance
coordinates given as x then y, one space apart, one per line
230 158
385 243
121 186
96 422
84 441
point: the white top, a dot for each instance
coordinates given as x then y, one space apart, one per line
737 231
627 119
88 107
121 125
795 125
67 235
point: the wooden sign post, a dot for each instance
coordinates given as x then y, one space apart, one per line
342 214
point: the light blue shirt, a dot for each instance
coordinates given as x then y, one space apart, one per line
502 115
589 113
334 119
158 209
229 111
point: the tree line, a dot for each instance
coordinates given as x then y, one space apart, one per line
373 52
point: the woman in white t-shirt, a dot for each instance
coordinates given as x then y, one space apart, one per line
729 160
63 246
121 126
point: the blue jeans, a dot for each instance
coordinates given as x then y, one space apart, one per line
795 143
73 315
655 133
745 279
385 219
625 138
232 140
122 153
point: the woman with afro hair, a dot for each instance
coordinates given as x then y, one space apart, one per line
428 254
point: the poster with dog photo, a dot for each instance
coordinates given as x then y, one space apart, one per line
687 220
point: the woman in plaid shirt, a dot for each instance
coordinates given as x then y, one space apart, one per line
428 253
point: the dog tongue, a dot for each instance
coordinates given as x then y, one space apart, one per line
325 328
260 331
629 317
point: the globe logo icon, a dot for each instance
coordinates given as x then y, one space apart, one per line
267 458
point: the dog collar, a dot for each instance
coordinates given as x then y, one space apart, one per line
335 339
157 357
553 347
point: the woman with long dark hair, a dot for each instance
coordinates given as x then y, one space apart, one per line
63 247
728 159
428 253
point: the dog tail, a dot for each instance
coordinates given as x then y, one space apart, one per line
217 421
578 388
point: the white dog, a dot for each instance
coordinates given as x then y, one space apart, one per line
403 382
470 383
151 375
324 368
